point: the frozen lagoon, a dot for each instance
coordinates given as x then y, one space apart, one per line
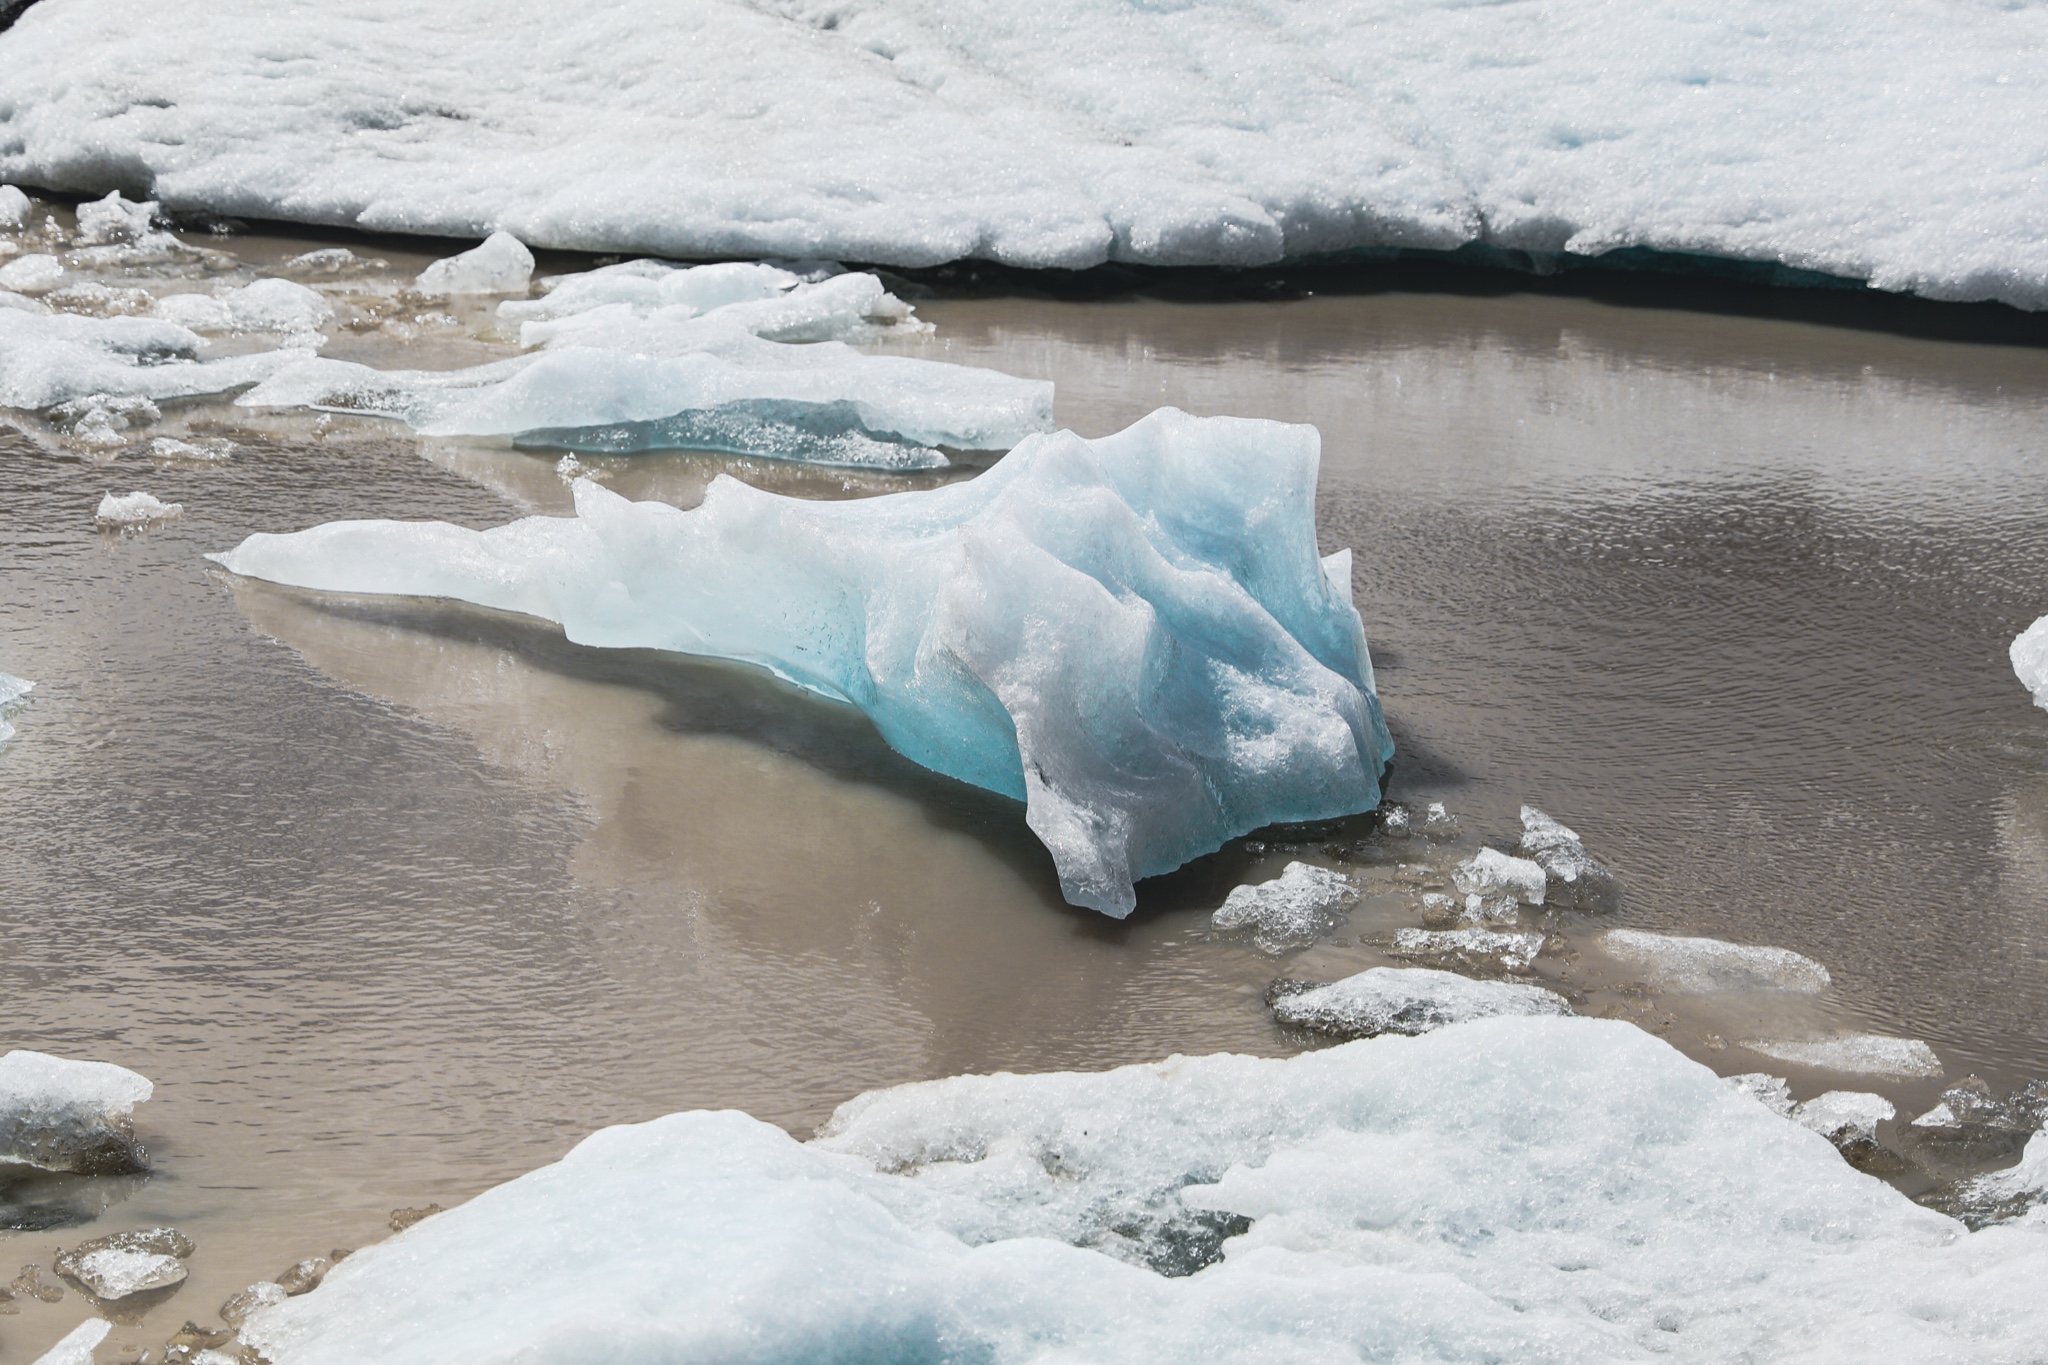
529 890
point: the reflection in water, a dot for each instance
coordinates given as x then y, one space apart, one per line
394 900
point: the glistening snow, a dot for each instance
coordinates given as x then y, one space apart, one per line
1133 635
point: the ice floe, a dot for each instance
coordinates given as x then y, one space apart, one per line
1134 634
1292 910
1514 1189
127 1263
909 132
1404 1000
1670 962
1868 1054
262 306
2029 657
78 1344
129 510
62 1115
48 359
501 265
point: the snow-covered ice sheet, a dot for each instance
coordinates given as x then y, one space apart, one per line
1134 635
1671 962
1866 1054
1900 143
2030 660
1511 1189
1405 1000
65 1115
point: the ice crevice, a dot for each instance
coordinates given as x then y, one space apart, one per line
1134 635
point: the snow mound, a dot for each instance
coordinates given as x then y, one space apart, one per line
1404 1000
1669 962
2029 657
1076 131
264 306
1511 1189
135 509
1866 1054
48 359
501 265
1133 635
78 1344
1291 911
62 1115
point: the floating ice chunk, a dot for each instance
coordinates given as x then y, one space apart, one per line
1133 635
101 300
650 285
1544 1190
265 306
63 1115
12 691
1867 1054
1292 910
1489 874
2000 1196
114 220
78 1344
1404 1000
127 1263
1669 962
243 1302
502 265
135 509
1840 1115
1772 1092
2029 652
48 360
1479 947
35 273
1438 823
102 420
15 208
729 390
212 450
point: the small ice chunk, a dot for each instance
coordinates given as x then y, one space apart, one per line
12 691
78 1344
101 300
1702 966
265 306
243 1302
1481 947
1772 1092
114 220
128 510
35 273
1489 874
502 265
2029 652
212 450
1844 1117
102 420
1290 911
15 208
1865 1054
1438 822
62 1115
1407 1000
1999 1196
127 1262
304 1276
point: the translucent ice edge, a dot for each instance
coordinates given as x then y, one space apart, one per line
2030 660
1133 635
66 1115
1703 965
1532 1189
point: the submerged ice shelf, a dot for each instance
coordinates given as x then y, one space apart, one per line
1528 1189
1134 635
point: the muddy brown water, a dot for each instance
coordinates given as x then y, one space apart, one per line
397 900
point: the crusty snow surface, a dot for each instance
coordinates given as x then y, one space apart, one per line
1902 143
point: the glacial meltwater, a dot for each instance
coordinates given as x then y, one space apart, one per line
394 900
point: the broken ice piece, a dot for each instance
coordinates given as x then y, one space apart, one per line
14 208
305 1276
1700 966
129 510
264 306
63 1115
78 1344
1849 1119
29 1284
170 448
2001 1195
502 265
1292 910
1395 821
2029 653
401 1219
1408 1000
34 273
113 220
12 690
1574 875
243 1302
1772 1092
1479 947
1868 1054
127 1263
1490 874
1438 823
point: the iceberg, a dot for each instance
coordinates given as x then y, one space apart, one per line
48 359
909 132
1133 635
1404 1000
1544 1190
2030 660
1669 962
62 1115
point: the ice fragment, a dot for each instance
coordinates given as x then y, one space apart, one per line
1854 1053
501 265
78 1344
1291 911
1669 962
1477 947
2029 652
34 273
129 510
1404 1000
62 1115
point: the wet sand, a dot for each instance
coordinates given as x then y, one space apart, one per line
395 901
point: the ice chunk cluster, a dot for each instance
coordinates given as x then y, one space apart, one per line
1510 1189
2030 660
1070 132
1133 635
63 1115
1404 1000
1669 962
1291 911
1866 1054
